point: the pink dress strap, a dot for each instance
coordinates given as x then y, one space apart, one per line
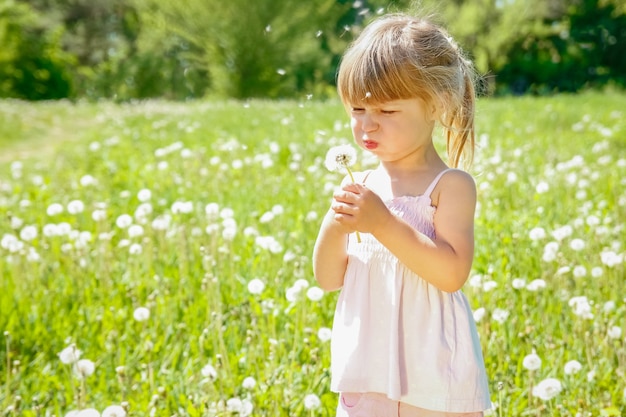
432 185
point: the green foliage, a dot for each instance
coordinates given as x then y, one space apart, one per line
136 49
580 47
256 167
255 49
33 65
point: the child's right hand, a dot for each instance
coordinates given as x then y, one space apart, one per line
358 208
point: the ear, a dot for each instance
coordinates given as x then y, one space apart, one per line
436 108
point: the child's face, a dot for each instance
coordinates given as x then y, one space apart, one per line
394 129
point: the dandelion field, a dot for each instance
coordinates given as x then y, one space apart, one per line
155 257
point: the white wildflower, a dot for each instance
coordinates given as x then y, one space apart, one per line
615 332
532 362
248 383
547 389
340 158
315 293
572 367
141 314
69 355
256 286
84 368
324 334
114 411
312 401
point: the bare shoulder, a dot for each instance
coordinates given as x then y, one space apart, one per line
455 185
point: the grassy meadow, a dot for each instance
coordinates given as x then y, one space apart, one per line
155 257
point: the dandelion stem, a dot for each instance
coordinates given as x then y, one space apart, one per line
358 235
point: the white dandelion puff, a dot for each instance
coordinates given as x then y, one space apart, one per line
84 368
69 355
248 383
572 367
208 371
312 401
340 158
547 389
315 293
324 334
141 314
532 362
256 286
114 411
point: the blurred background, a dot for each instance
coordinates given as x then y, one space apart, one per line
183 49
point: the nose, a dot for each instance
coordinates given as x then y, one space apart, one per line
368 123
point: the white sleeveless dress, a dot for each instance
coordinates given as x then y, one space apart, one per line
396 334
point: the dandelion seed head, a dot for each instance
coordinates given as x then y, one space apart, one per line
28 233
87 180
547 389
532 362
312 401
537 233
144 195
572 367
114 411
69 355
75 207
324 334
84 368
54 209
518 283
315 294
500 315
208 371
614 332
141 314
123 221
248 383
536 285
577 244
479 313
338 158
256 286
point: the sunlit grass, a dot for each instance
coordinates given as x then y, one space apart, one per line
205 214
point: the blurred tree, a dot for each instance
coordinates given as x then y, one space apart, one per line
33 65
265 48
581 45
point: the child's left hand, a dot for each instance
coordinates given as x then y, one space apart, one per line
360 208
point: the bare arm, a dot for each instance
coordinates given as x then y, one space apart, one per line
330 257
445 261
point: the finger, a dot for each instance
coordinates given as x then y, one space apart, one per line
344 196
354 188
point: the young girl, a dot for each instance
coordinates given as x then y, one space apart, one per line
404 341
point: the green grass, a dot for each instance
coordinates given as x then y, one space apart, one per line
82 285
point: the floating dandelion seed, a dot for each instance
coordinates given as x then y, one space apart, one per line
340 158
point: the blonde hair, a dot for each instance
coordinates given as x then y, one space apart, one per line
398 56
